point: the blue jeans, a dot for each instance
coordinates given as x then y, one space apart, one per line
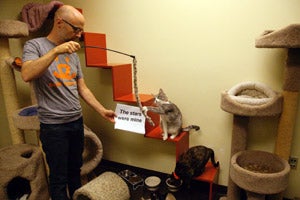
63 145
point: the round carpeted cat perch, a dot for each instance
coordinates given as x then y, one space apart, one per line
92 152
108 185
287 37
10 29
22 172
26 118
259 173
245 100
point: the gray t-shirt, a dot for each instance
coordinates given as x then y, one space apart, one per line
56 90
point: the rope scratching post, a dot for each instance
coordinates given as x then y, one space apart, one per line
246 100
108 185
287 37
10 29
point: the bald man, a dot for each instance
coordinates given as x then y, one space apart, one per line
52 65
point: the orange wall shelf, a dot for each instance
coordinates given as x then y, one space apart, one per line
123 92
123 86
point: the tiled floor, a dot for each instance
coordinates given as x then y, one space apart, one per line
197 191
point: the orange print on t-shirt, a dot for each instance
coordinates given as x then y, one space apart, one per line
64 73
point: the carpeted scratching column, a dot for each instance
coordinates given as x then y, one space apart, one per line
287 37
247 100
10 29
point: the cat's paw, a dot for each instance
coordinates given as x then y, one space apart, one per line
165 136
173 136
144 108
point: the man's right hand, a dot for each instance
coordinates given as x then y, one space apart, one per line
68 47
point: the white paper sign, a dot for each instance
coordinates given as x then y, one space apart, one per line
129 118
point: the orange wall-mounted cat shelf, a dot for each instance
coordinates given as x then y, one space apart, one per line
121 73
123 87
123 92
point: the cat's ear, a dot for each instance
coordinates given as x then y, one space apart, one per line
161 92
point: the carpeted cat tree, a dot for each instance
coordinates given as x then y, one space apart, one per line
27 119
22 119
10 29
22 172
289 38
245 100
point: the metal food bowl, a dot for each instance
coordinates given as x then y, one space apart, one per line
152 183
173 184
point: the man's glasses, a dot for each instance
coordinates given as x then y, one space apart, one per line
75 28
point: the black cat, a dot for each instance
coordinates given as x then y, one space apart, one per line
192 163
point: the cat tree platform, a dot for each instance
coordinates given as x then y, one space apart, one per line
22 163
251 99
259 173
26 118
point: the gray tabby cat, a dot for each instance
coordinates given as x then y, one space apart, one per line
170 116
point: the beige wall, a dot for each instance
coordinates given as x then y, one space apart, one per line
193 50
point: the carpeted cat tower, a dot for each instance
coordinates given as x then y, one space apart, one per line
245 100
10 29
22 172
288 38
23 119
27 119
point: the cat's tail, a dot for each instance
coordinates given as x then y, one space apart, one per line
212 158
190 127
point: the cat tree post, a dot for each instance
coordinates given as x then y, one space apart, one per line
239 143
10 29
287 37
246 100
